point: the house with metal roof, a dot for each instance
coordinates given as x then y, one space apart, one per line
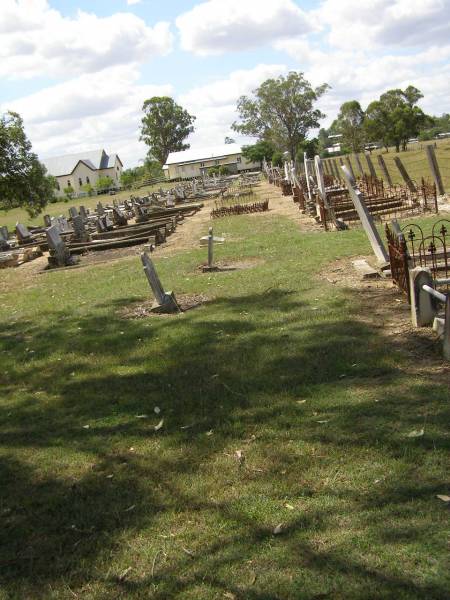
78 170
196 162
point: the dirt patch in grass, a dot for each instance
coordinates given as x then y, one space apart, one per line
222 266
386 309
141 310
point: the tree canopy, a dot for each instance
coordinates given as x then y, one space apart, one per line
281 111
259 151
165 126
350 124
395 117
23 179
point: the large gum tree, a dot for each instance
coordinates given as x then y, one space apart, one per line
281 111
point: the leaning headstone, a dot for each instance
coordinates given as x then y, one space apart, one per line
59 254
47 221
73 212
100 210
83 213
165 302
365 217
118 217
23 234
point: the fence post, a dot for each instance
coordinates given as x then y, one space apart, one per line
349 165
423 306
371 167
358 162
404 173
446 341
432 161
384 170
336 169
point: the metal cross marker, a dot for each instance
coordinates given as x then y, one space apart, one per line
165 302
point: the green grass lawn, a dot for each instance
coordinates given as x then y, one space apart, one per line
275 369
11 217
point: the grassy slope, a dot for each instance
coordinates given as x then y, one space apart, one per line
414 160
11 217
255 370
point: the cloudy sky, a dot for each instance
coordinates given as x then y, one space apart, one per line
78 71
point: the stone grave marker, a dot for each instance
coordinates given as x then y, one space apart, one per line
59 254
23 234
100 210
165 302
73 212
4 239
83 213
47 221
79 229
118 217
365 218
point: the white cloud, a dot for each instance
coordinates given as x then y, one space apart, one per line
355 24
219 26
37 40
364 75
88 112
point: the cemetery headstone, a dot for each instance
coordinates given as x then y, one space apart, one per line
365 218
59 254
73 212
165 302
79 229
47 221
23 234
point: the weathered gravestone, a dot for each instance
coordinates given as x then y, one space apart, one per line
165 302
47 221
118 217
4 238
365 217
79 229
83 213
73 212
23 234
59 254
100 210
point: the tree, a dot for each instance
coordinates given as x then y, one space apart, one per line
69 192
23 179
229 140
395 118
350 124
104 183
258 152
165 126
281 111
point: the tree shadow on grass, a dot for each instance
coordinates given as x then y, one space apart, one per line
215 370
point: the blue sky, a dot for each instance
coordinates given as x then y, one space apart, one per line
78 71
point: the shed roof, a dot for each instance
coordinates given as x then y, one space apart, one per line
199 154
64 165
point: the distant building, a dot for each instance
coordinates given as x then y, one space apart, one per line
77 170
196 162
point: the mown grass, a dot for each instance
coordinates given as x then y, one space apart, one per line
97 504
20 215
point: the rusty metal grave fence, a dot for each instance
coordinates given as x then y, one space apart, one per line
240 209
410 247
